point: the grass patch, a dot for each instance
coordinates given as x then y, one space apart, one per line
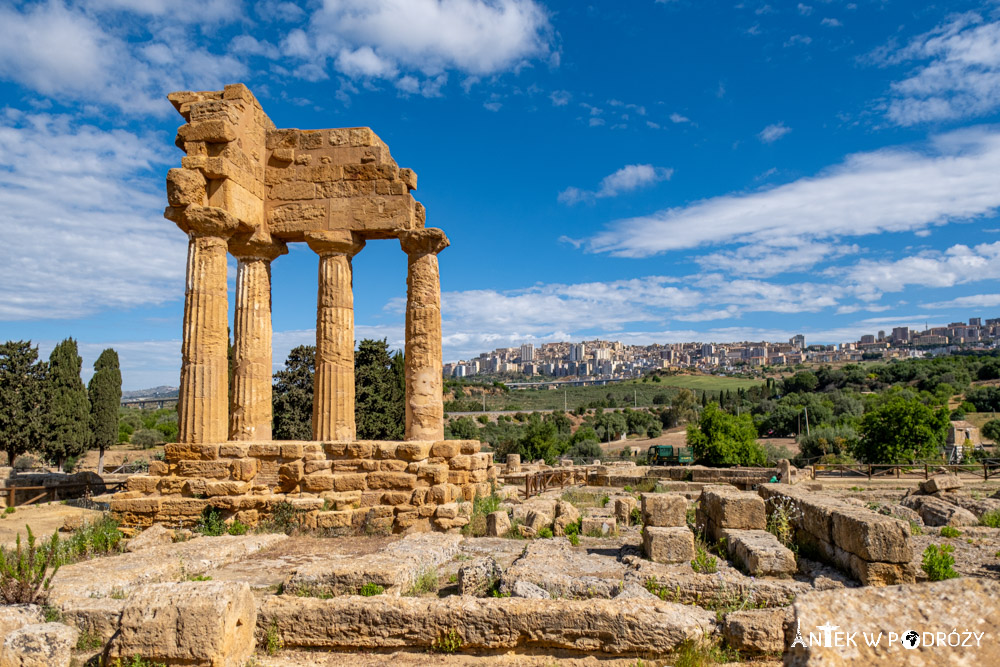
704 562
425 583
284 519
949 532
938 562
25 572
781 517
237 527
136 661
370 589
703 653
481 508
88 642
211 523
99 538
448 642
272 639
916 528
580 499
605 499
990 519
198 577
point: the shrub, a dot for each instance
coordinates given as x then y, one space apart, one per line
605 499
25 462
211 522
98 538
69 464
148 437
284 519
781 515
545 532
704 562
938 562
370 589
991 519
238 528
481 507
635 516
948 531
426 582
272 640
24 572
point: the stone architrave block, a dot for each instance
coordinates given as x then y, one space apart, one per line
728 507
203 624
668 545
664 510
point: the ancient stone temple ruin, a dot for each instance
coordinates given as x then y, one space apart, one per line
247 188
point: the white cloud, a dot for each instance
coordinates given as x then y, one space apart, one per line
765 260
804 40
965 302
628 178
677 118
83 228
379 38
951 178
193 11
960 77
832 23
773 132
560 98
805 10
69 53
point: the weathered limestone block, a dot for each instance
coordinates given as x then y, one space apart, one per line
566 513
39 645
871 536
664 510
598 526
446 448
226 488
668 544
154 536
97 617
534 522
941 483
189 451
759 552
16 616
142 483
244 469
414 450
607 626
623 509
394 480
497 524
937 512
755 631
478 577
204 623
964 605
218 469
728 507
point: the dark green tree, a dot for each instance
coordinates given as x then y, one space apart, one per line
722 439
292 395
379 410
991 430
22 399
899 427
105 393
68 432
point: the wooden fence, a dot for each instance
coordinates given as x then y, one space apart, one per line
56 492
985 470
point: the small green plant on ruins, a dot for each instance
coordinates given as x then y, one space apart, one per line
425 583
284 519
781 515
136 661
704 562
572 531
98 538
272 640
703 653
25 572
948 531
938 562
370 589
482 506
449 642
990 519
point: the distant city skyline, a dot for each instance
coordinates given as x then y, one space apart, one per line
646 171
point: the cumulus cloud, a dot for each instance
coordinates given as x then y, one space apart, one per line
971 301
950 178
773 132
959 76
83 227
423 38
628 178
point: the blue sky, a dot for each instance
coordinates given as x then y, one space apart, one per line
645 171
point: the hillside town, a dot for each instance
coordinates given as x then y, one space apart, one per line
599 360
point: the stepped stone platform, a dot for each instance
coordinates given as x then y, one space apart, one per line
411 486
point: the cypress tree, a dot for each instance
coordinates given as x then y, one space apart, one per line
22 399
379 409
69 407
105 393
292 397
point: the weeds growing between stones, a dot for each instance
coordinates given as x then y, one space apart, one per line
938 562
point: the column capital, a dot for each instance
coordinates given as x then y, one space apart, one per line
428 241
335 243
209 221
255 247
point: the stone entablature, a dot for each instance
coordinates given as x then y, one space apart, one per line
370 485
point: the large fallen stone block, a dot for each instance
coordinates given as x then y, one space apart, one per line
497 524
941 483
566 513
664 510
609 626
936 512
394 568
478 577
872 536
154 536
39 645
668 545
98 618
565 572
598 526
722 507
755 631
759 552
933 611
197 623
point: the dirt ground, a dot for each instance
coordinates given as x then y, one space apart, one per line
418 659
43 519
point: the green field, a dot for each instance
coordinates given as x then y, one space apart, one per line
624 394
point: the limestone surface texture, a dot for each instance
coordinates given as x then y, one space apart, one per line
198 623
663 510
39 645
668 545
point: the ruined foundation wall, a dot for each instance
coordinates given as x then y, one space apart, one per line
375 485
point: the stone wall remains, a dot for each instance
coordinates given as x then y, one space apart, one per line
339 486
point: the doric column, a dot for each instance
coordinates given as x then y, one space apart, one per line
203 403
333 384
250 406
424 403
